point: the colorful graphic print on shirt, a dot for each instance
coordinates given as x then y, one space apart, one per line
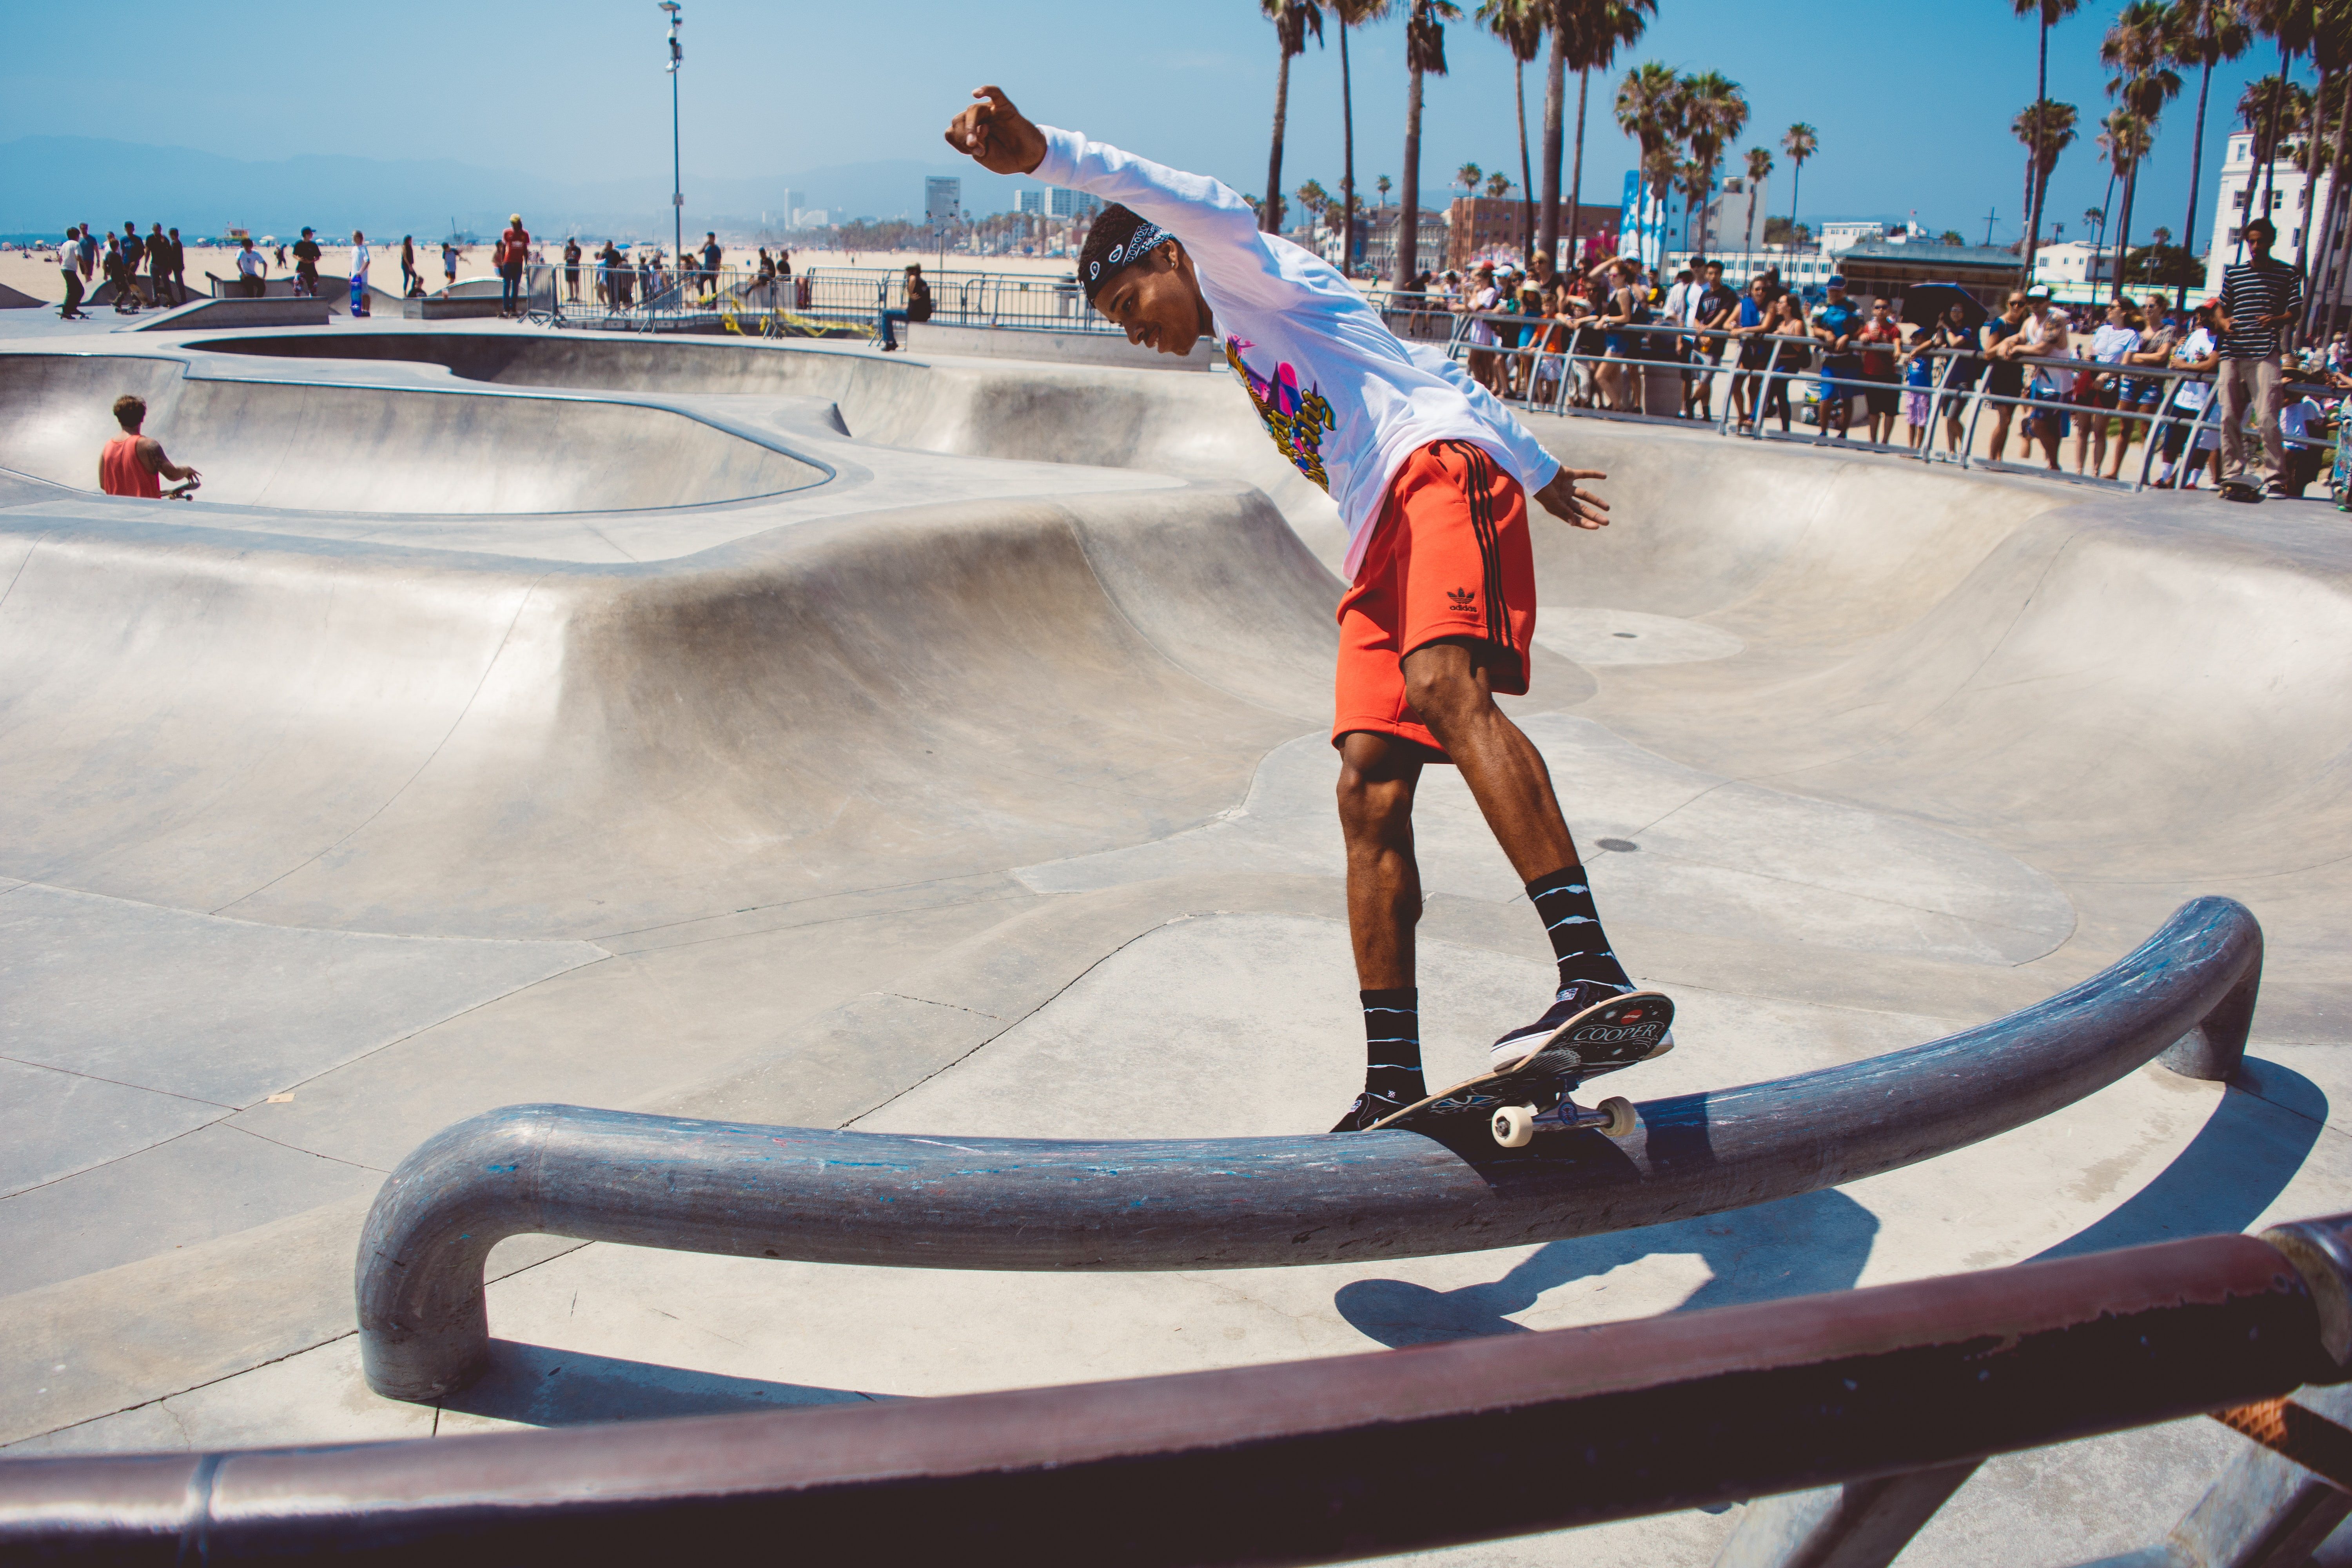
1296 420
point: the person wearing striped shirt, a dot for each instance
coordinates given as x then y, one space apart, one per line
2260 297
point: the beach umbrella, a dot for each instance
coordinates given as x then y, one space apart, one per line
1928 301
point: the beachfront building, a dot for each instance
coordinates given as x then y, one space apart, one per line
2292 203
1432 245
2073 261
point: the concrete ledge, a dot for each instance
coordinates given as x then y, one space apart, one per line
1061 347
444 308
262 312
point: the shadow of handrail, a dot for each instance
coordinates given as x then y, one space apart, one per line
2187 994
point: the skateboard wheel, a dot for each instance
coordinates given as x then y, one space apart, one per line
1515 1126
1620 1111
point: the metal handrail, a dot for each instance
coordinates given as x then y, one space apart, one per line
1773 375
1297 1462
2185 995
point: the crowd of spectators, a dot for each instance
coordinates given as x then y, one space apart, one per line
2060 386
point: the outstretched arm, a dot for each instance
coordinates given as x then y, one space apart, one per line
1218 228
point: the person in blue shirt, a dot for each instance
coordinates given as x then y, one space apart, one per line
1835 324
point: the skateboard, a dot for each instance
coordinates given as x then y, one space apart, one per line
1532 1095
181 490
2241 490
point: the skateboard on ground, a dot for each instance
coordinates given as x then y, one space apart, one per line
2240 489
1532 1095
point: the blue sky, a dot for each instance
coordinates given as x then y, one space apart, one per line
1912 98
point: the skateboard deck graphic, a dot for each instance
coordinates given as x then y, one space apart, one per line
1532 1095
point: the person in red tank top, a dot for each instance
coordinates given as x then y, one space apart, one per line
133 464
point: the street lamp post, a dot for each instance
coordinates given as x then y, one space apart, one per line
676 180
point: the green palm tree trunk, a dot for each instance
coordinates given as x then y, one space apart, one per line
2196 173
1575 181
1347 142
1555 95
2034 163
1527 183
1408 245
1269 218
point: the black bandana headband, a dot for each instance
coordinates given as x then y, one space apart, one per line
1147 237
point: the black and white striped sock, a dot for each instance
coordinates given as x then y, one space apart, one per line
1564 902
1392 1045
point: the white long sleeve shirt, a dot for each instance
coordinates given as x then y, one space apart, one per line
1344 398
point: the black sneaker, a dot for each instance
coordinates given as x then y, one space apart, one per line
1571 999
1368 1109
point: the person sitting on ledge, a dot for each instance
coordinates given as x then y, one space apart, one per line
1431 474
133 464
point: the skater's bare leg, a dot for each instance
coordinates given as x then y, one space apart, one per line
1451 686
1378 774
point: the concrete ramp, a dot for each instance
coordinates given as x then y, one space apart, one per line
796 736
367 449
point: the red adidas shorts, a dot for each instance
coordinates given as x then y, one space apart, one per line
1449 558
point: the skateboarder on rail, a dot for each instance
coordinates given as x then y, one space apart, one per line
1431 476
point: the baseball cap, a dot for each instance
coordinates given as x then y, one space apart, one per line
1837 280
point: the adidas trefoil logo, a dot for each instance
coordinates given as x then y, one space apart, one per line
1465 600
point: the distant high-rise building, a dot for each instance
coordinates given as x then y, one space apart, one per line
810 217
1060 203
942 200
1031 202
793 200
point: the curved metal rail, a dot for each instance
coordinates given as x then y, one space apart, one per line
1298 1462
2187 994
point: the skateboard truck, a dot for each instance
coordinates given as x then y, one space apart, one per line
1515 1126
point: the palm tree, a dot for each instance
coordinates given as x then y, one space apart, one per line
2123 143
1498 185
1291 19
2135 50
1714 111
1521 25
2046 129
1760 169
2265 103
1586 35
1383 187
2331 38
1350 13
1799 141
1467 176
2331 51
2290 23
1424 55
2201 34
1314 200
1650 110
2049 12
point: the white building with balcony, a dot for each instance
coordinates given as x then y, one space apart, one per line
2292 206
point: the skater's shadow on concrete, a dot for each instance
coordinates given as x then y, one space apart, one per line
543 1387
1797 1247
2240 1159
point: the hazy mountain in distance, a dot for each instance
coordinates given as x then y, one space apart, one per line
48 182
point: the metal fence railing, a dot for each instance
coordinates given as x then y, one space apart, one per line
829 300
1549 366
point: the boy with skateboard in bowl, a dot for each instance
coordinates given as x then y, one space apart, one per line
1431 476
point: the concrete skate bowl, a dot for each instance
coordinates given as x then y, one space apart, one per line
876 809
367 449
